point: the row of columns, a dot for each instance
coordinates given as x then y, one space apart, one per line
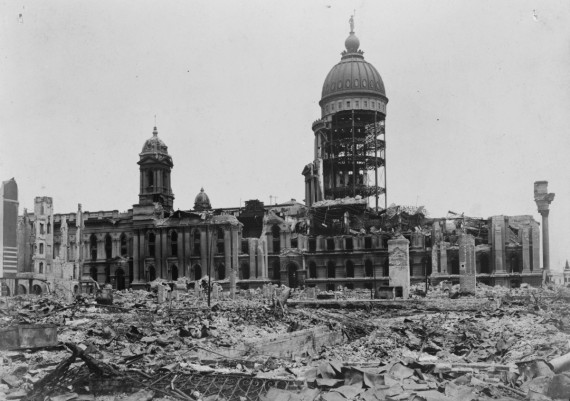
184 256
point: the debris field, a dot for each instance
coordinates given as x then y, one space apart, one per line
499 344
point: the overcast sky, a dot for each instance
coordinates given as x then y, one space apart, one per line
479 99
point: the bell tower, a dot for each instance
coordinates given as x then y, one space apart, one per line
155 167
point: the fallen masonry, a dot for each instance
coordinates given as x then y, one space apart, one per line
439 344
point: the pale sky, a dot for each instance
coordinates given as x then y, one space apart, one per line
479 99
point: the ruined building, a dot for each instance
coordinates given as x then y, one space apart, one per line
344 234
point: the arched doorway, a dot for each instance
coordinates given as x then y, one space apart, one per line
173 272
36 289
368 268
331 269
75 289
350 269
21 290
108 247
151 273
292 274
120 276
197 272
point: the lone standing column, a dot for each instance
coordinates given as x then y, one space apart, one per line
543 200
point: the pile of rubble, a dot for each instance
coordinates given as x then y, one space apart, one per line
511 347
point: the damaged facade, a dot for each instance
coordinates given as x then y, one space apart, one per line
334 239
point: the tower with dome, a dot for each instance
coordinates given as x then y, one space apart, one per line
349 138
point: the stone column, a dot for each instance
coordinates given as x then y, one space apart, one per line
236 244
228 250
204 251
434 260
543 200
526 249
535 248
136 266
399 259
443 257
252 245
467 264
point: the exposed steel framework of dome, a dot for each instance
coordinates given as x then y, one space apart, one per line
353 147
350 138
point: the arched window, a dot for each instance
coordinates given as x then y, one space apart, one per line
312 269
173 272
197 272
150 178
386 268
221 271
331 269
41 268
276 233
349 268
107 274
514 264
49 225
124 249
151 245
41 249
330 244
368 268
173 243
220 234
108 247
93 246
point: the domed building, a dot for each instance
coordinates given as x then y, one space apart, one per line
202 201
155 168
349 146
333 240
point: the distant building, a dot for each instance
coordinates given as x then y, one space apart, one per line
8 238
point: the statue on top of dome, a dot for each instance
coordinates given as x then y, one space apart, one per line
351 22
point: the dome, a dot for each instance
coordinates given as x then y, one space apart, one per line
154 144
353 75
202 202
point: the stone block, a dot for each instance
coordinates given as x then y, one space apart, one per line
467 264
399 264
